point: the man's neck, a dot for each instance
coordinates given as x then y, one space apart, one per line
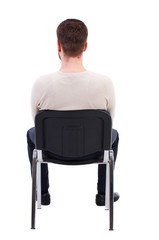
72 65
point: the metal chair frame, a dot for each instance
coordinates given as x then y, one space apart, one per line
38 159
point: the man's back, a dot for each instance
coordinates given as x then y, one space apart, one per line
73 91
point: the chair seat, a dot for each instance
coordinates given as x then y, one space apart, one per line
89 159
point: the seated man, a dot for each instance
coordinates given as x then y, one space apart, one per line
72 88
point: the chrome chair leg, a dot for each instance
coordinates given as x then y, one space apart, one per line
111 190
34 168
39 185
107 191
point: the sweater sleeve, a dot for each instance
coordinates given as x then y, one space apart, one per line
110 98
36 95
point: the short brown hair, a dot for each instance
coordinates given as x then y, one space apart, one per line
72 34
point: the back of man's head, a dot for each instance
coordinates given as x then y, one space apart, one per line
72 35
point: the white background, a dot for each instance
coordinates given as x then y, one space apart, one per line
123 44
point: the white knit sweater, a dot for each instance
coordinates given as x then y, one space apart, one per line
73 91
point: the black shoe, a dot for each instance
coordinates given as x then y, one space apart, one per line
45 198
100 199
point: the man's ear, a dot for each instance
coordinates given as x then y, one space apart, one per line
85 48
59 46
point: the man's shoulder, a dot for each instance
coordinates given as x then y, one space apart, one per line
47 76
100 77
45 79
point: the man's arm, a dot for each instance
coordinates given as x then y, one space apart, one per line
36 96
110 97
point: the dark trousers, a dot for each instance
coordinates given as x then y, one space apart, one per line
44 167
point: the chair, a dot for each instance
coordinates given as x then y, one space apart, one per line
73 135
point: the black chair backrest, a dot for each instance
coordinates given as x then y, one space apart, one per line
73 133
